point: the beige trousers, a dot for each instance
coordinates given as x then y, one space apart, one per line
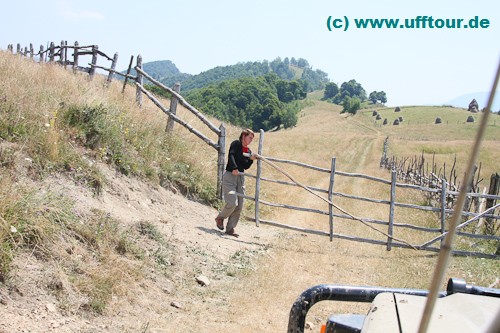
234 204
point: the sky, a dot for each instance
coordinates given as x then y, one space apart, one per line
419 66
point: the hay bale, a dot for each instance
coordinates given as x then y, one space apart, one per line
374 113
378 117
473 106
470 119
396 122
385 122
438 120
397 109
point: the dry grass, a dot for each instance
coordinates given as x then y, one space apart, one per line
263 285
301 261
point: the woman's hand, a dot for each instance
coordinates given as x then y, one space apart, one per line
235 172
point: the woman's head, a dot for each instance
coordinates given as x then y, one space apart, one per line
246 136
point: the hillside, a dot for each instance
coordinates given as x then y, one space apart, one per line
167 73
106 226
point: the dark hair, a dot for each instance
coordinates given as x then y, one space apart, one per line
246 132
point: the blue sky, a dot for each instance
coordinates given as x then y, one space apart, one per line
413 66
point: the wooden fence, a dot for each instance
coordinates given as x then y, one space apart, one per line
59 55
415 170
391 224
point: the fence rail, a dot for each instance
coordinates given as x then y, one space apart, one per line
392 202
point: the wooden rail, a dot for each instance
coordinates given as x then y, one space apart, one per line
391 223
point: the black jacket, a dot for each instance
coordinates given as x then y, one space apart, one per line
236 160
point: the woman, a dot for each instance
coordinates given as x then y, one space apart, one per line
240 158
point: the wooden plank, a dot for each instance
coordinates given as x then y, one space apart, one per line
391 209
273 159
128 73
330 196
75 58
139 81
173 108
221 158
180 121
257 180
112 70
181 100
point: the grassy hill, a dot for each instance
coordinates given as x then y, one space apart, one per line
116 250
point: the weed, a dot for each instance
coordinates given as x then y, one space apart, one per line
29 219
149 229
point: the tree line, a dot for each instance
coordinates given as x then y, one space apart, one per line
264 102
350 95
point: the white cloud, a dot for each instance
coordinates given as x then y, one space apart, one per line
69 13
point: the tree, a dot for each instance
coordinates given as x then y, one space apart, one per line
302 63
352 89
382 97
351 105
331 90
378 96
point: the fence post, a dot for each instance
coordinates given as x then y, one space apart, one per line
61 53
139 80
257 180
42 55
51 52
32 52
443 208
75 57
391 209
330 196
221 159
493 190
19 49
128 72
95 48
113 66
173 109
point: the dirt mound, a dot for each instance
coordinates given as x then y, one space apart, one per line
203 263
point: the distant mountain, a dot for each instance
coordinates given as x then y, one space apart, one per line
162 69
481 99
287 69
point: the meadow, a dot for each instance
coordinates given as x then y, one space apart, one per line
66 125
